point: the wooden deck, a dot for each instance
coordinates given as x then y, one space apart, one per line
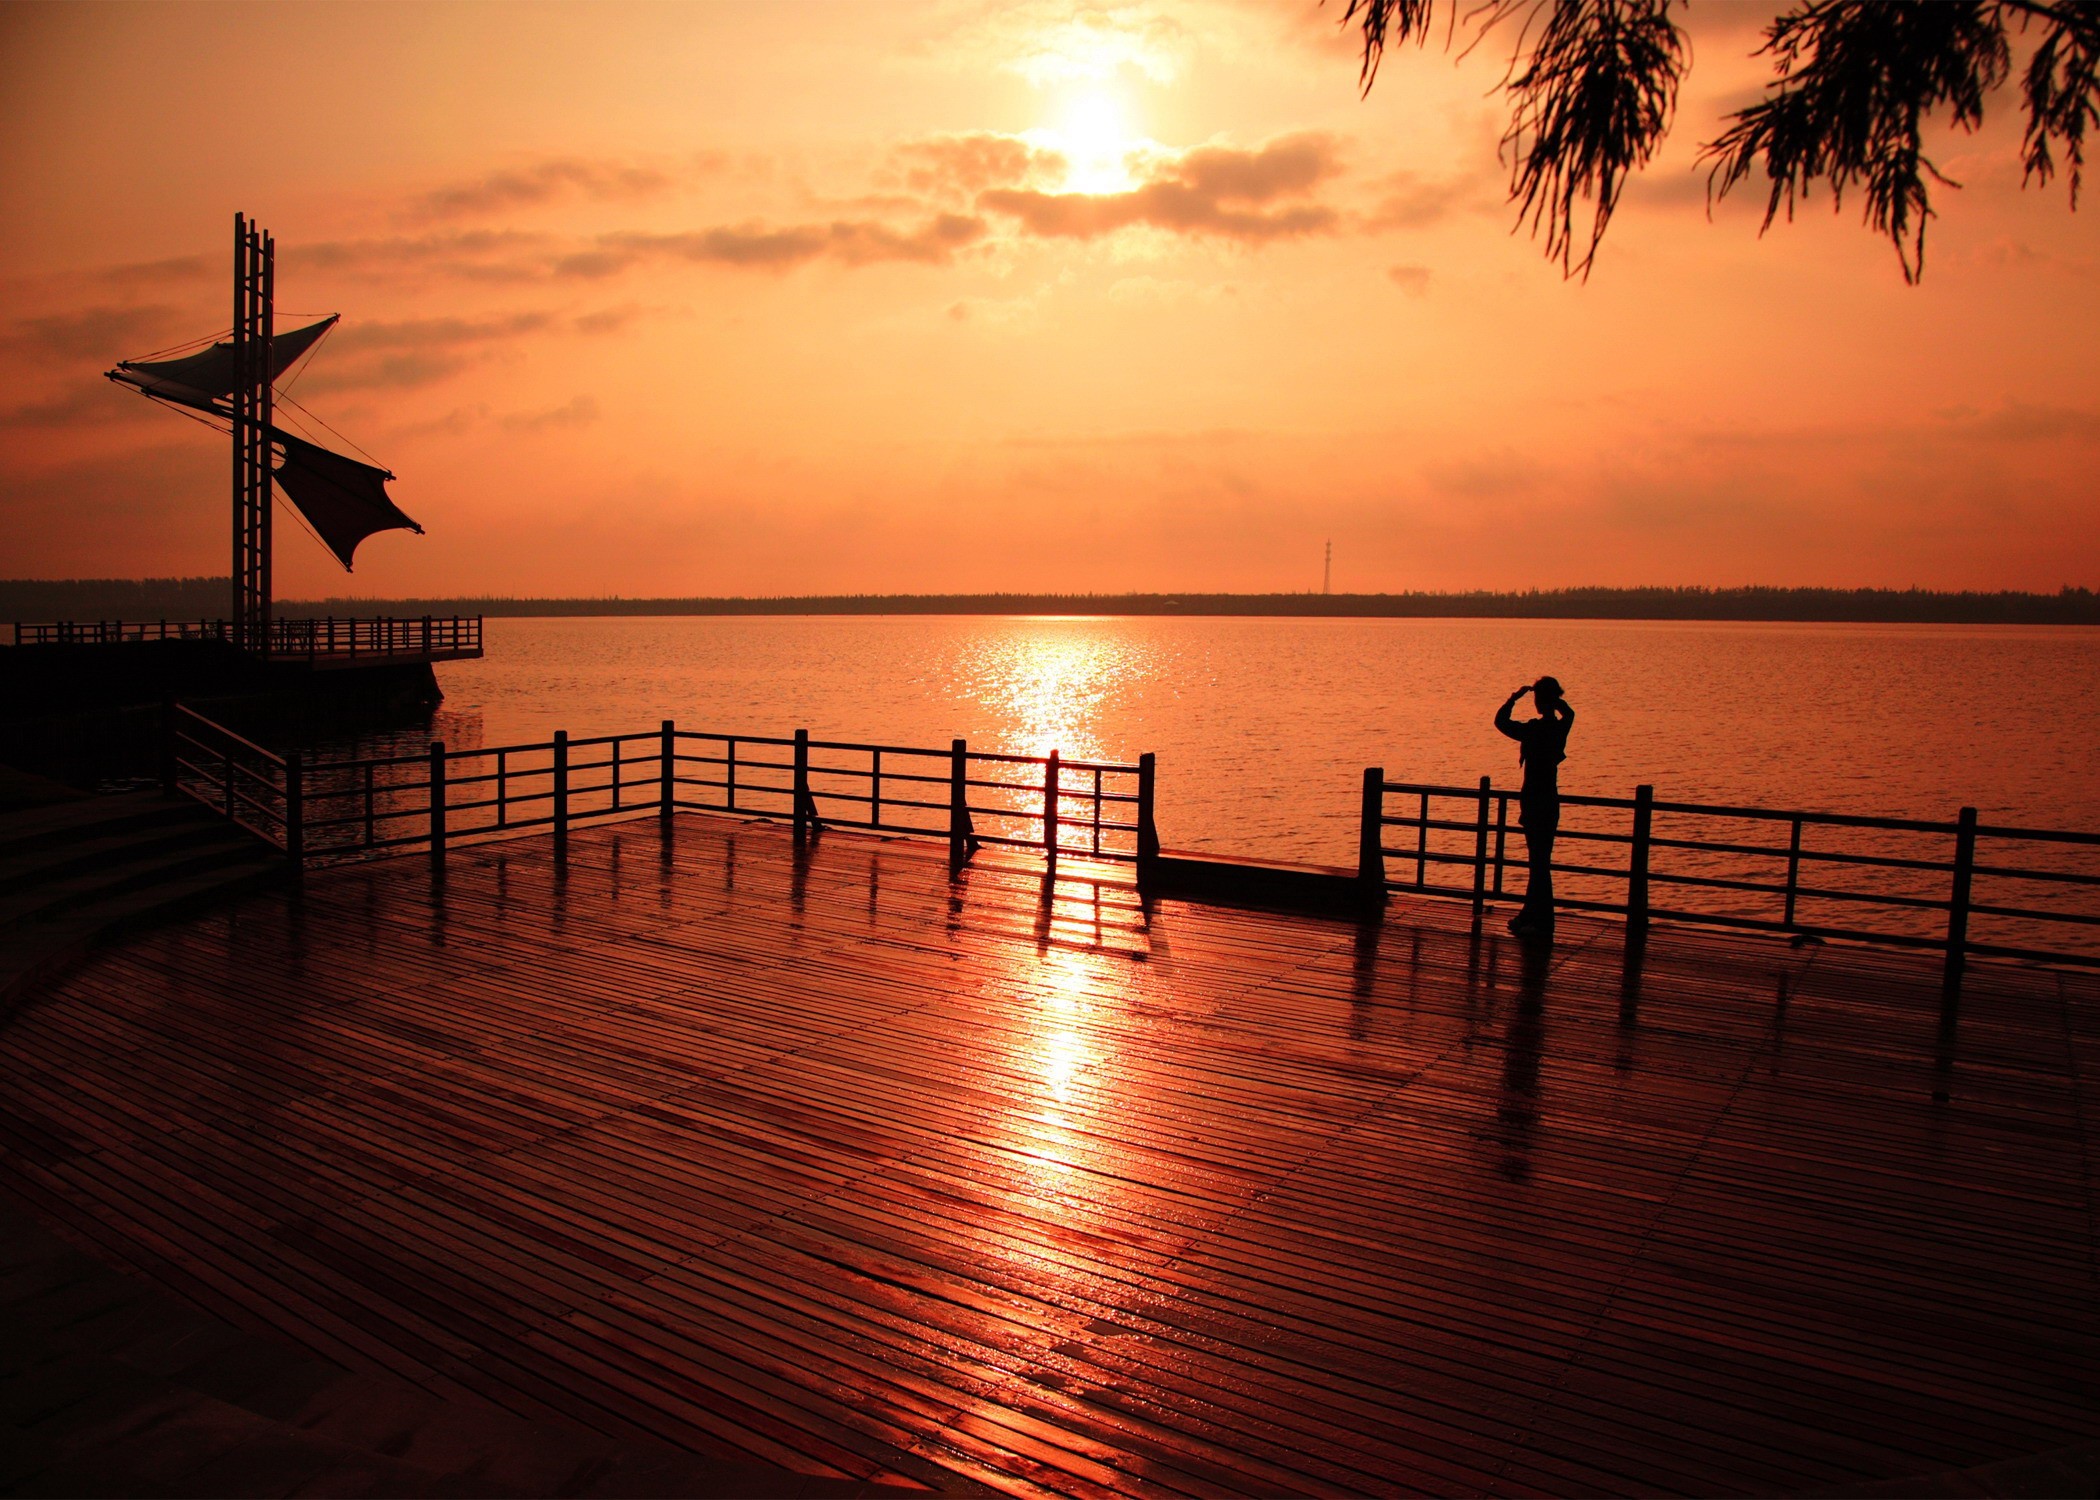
833 1163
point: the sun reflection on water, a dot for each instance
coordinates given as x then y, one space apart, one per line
1049 681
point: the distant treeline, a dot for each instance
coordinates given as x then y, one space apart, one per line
206 598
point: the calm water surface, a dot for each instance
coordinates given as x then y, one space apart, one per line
1263 726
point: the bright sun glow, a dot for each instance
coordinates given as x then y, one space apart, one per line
1096 139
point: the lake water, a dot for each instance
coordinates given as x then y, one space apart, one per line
1262 727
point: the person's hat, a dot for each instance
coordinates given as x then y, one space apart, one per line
1546 687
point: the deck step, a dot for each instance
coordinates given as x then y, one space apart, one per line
211 849
25 869
110 1386
66 823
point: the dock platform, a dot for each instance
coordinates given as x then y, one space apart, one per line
828 1159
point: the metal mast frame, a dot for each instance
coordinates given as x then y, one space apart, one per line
254 325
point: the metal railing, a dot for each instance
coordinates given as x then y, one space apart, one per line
324 640
1962 887
234 776
325 810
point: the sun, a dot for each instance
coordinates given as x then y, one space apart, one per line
1094 134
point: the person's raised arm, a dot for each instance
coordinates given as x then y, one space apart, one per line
1503 721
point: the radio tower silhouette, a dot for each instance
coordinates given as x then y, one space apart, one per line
1327 573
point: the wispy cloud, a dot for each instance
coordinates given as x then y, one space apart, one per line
578 412
958 167
1413 280
1251 195
853 242
511 188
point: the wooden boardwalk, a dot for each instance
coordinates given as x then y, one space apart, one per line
831 1162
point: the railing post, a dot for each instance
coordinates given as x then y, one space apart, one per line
561 794
1370 839
1793 874
294 811
1052 791
1480 850
1958 900
875 790
1637 862
962 837
168 755
802 797
426 635
227 759
437 804
502 787
667 779
729 774
1148 826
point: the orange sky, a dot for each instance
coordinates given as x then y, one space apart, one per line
812 297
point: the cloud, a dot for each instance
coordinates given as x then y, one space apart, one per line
541 182
853 242
1413 280
466 255
578 412
1051 42
400 370
413 351
609 319
90 404
962 166
1412 201
1212 190
2025 422
435 333
98 333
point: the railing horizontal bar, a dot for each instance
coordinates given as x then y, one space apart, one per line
223 732
2037 955
1915 903
1416 789
2075 918
741 739
885 749
1822 820
2040 835
1719 883
2062 877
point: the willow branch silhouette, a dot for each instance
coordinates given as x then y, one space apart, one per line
1592 87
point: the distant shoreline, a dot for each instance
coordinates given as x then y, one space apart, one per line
205 598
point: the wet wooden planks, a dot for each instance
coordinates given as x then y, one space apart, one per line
834 1160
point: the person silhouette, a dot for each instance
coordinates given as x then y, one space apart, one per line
1544 745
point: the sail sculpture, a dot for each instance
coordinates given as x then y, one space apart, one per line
234 381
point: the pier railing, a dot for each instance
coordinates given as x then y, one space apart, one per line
233 776
328 640
326 810
1962 887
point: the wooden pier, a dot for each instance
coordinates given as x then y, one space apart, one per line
818 1154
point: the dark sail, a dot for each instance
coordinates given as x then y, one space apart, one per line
201 379
346 501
